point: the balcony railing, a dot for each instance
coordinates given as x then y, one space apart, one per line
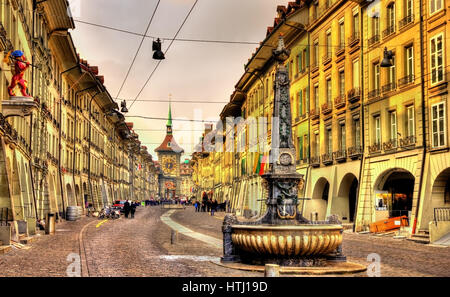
406 80
340 155
389 87
339 101
354 152
327 159
406 20
326 108
442 214
340 49
354 39
326 58
408 141
388 31
374 39
315 161
390 145
354 95
373 94
374 148
314 114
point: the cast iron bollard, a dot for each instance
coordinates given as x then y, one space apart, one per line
173 237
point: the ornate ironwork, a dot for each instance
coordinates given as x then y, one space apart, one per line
374 148
340 155
388 31
406 20
373 94
354 152
339 101
374 39
390 145
389 87
408 141
354 95
406 80
327 159
326 108
354 38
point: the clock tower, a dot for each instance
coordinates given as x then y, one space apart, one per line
169 154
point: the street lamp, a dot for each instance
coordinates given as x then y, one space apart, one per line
156 47
123 106
387 59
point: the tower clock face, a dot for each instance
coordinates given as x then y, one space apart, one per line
169 165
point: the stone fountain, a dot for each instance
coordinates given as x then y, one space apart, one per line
282 235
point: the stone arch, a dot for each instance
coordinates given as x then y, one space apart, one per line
70 196
344 204
316 208
397 188
440 193
77 194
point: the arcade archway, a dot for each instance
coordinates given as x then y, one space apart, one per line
345 203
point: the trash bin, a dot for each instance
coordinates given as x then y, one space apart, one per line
50 223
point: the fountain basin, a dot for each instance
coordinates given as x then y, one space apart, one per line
288 240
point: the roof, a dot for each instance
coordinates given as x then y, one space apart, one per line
169 145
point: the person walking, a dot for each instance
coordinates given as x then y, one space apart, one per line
214 205
133 209
126 208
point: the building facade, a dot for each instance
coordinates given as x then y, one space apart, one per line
369 90
66 144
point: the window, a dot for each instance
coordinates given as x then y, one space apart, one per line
438 124
357 132
437 58
408 8
377 122
355 24
328 37
341 34
342 137
317 143
316 52
409 56
410 121
316 98
329 92
435 6
356 74
391 74
300 102
391 17
393 124
342 84
376 26
299 63
376 76
329 140
300 148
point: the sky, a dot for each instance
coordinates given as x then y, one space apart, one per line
192 71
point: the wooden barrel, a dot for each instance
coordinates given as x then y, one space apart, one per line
72 213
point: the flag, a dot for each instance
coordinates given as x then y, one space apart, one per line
263 163
258 167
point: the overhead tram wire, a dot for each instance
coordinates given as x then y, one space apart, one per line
138 50
159 62
165 119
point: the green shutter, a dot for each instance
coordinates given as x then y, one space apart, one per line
301 147
300 103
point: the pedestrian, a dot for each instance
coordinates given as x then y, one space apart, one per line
133 209
196 206
126 208
214 205
208 205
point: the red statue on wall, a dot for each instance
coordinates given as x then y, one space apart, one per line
20 66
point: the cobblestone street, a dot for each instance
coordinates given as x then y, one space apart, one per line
142 247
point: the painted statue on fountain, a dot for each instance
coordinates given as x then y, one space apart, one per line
20 66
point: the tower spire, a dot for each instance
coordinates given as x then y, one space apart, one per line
169 118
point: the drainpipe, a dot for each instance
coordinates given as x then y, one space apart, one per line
424 130
361 120
309 121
